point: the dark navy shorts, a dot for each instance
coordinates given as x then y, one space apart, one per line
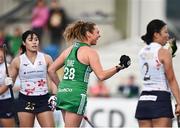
33 104
154 104
6 108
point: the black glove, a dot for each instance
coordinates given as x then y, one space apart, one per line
125 61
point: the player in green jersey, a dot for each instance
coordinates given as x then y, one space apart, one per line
78 61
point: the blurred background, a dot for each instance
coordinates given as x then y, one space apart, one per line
112 102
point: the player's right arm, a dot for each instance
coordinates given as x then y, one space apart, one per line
14 68
57 64
7 81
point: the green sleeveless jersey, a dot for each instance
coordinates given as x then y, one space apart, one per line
72 89
75 73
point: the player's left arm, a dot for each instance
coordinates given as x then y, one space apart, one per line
96 66
52 86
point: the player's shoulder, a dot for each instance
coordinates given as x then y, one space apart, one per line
47 56
88 49
164 54
91 52
16 61
164 51
67 51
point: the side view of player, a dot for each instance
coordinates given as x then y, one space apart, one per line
6 103
79 60
154 107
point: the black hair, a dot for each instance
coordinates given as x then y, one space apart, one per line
1 48
27 33
22 48
153 26
24 37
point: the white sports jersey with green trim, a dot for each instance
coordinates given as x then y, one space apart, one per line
152 70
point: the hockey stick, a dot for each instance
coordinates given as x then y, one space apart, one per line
178 121
85 117
10 86
7 72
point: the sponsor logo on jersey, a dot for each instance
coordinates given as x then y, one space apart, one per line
65 90
25 64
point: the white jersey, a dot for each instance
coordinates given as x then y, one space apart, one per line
33 77
152 70
6 94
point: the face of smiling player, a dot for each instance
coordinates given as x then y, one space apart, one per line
94 36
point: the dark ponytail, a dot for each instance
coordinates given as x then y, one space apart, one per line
147 38
154 26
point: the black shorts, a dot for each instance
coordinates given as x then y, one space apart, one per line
6 108
33 104
149 109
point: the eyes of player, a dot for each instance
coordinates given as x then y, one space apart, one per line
35 39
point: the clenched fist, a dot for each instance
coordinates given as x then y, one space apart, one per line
125 61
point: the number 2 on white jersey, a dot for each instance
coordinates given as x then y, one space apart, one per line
146 76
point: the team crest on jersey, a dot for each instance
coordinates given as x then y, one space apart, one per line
39 63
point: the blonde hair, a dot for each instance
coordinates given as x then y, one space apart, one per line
77 30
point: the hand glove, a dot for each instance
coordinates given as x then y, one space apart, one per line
125 61
171 46
8 81
53 102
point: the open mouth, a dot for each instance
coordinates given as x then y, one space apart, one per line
34 46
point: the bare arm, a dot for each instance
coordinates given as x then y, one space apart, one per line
3 89
51 84
97 67
14 68
57 64
166 59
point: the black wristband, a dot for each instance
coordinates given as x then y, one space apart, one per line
118 68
